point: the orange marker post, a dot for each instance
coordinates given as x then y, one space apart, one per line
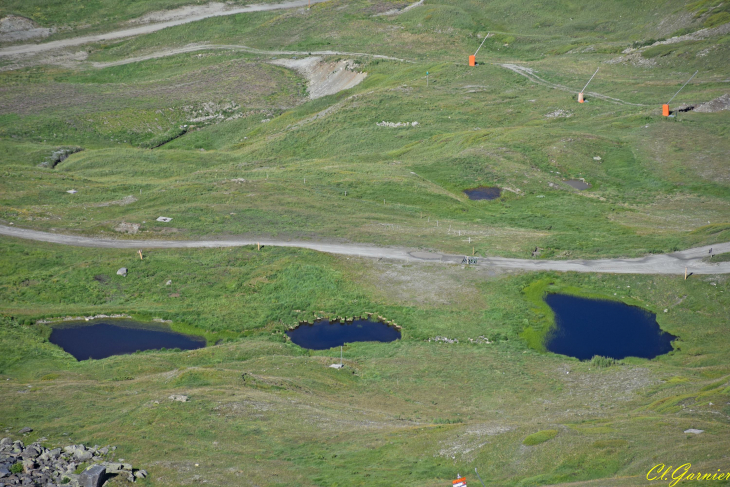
665 107
581 99
473 58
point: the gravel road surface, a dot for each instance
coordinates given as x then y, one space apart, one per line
674 263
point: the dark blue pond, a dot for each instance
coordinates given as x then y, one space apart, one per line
483 193
588 327
325 334
99 340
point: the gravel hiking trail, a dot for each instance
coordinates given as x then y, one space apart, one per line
147 25
529 73
674 263
233 47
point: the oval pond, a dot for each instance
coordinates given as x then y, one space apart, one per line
99 339
326 334
483 193
587 327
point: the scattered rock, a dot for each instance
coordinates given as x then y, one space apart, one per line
15 28
164 219
59 156
125 227
179 398
122 272
25 430
397 125
44 467
169 282
694 431
444 340
597 158
72 191
82 455
559 113
716 105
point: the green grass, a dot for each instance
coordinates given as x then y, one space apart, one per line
539 437
718 258
308 424
411 412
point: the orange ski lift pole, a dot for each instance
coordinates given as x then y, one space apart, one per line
473 58
665 107
580 95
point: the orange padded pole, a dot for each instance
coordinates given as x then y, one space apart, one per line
665 110
472 60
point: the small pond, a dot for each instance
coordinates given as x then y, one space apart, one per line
99 339
326 334
578 184
588 327
483 193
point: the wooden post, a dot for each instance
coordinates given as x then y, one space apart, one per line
472 252
140 254
258 245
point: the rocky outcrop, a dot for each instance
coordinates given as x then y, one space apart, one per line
717 105
36 465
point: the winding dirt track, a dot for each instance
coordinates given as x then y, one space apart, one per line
148 28
234 47
674 263
530 74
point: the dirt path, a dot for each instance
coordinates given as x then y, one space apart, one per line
210 47
674 263
193 15
530 74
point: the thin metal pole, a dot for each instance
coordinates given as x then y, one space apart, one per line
480 45
480 479
589 81
677 93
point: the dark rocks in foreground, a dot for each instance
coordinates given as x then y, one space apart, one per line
36 465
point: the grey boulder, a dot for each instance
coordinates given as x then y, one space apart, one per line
122 272
25 430
83 455
93 476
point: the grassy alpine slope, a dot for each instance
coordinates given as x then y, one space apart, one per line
413 412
